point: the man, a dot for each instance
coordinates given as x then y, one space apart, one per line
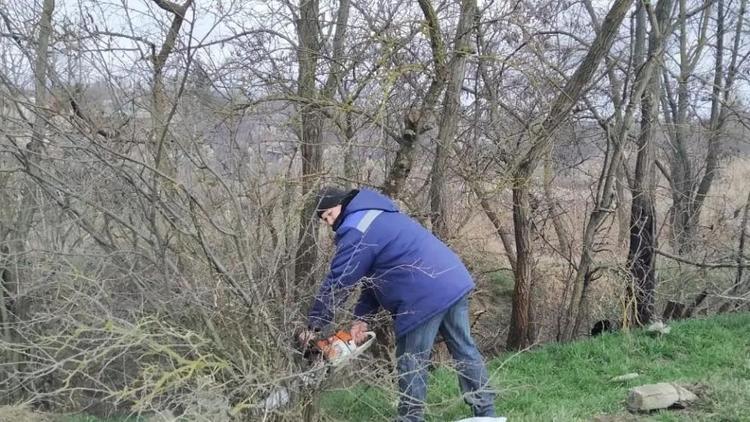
403 268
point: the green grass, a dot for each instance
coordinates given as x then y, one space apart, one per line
502 283
570 382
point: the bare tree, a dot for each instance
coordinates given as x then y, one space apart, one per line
14 281
617 136
641 254
416 120
739 282
540 137
691 182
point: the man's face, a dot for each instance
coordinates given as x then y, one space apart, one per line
331 214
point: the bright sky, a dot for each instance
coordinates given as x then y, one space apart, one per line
208 21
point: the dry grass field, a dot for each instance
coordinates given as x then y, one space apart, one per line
480 246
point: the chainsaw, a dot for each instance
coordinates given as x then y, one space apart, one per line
340 348
324 357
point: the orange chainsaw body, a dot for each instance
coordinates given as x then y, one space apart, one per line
336 345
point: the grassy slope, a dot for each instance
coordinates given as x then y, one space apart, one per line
571 382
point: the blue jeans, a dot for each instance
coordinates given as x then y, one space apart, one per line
413 352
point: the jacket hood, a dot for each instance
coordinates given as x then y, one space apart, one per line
370 200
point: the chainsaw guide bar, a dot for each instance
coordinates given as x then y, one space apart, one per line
325 356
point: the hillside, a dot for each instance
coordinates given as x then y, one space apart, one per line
567 382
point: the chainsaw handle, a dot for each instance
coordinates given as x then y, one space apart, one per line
367 343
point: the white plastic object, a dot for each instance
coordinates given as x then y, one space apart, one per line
278 398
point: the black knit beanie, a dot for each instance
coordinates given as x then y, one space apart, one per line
329 197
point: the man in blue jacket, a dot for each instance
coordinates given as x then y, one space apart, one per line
406 270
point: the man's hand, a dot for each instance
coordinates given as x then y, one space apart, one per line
358 330
305 336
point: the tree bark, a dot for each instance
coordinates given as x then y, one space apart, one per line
161 143
519 334
402 164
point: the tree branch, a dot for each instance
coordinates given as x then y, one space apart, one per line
699 264
172 7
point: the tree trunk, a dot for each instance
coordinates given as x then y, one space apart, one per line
402 164
641 258
641 254
574 308
312 159
449 120
574 296
160 114
350 170
14 276
311 120
494 218
416 118
681 172
563 241
623 217
519 334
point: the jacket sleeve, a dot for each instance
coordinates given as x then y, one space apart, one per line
367 305
351 262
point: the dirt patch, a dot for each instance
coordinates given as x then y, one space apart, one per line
22 414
